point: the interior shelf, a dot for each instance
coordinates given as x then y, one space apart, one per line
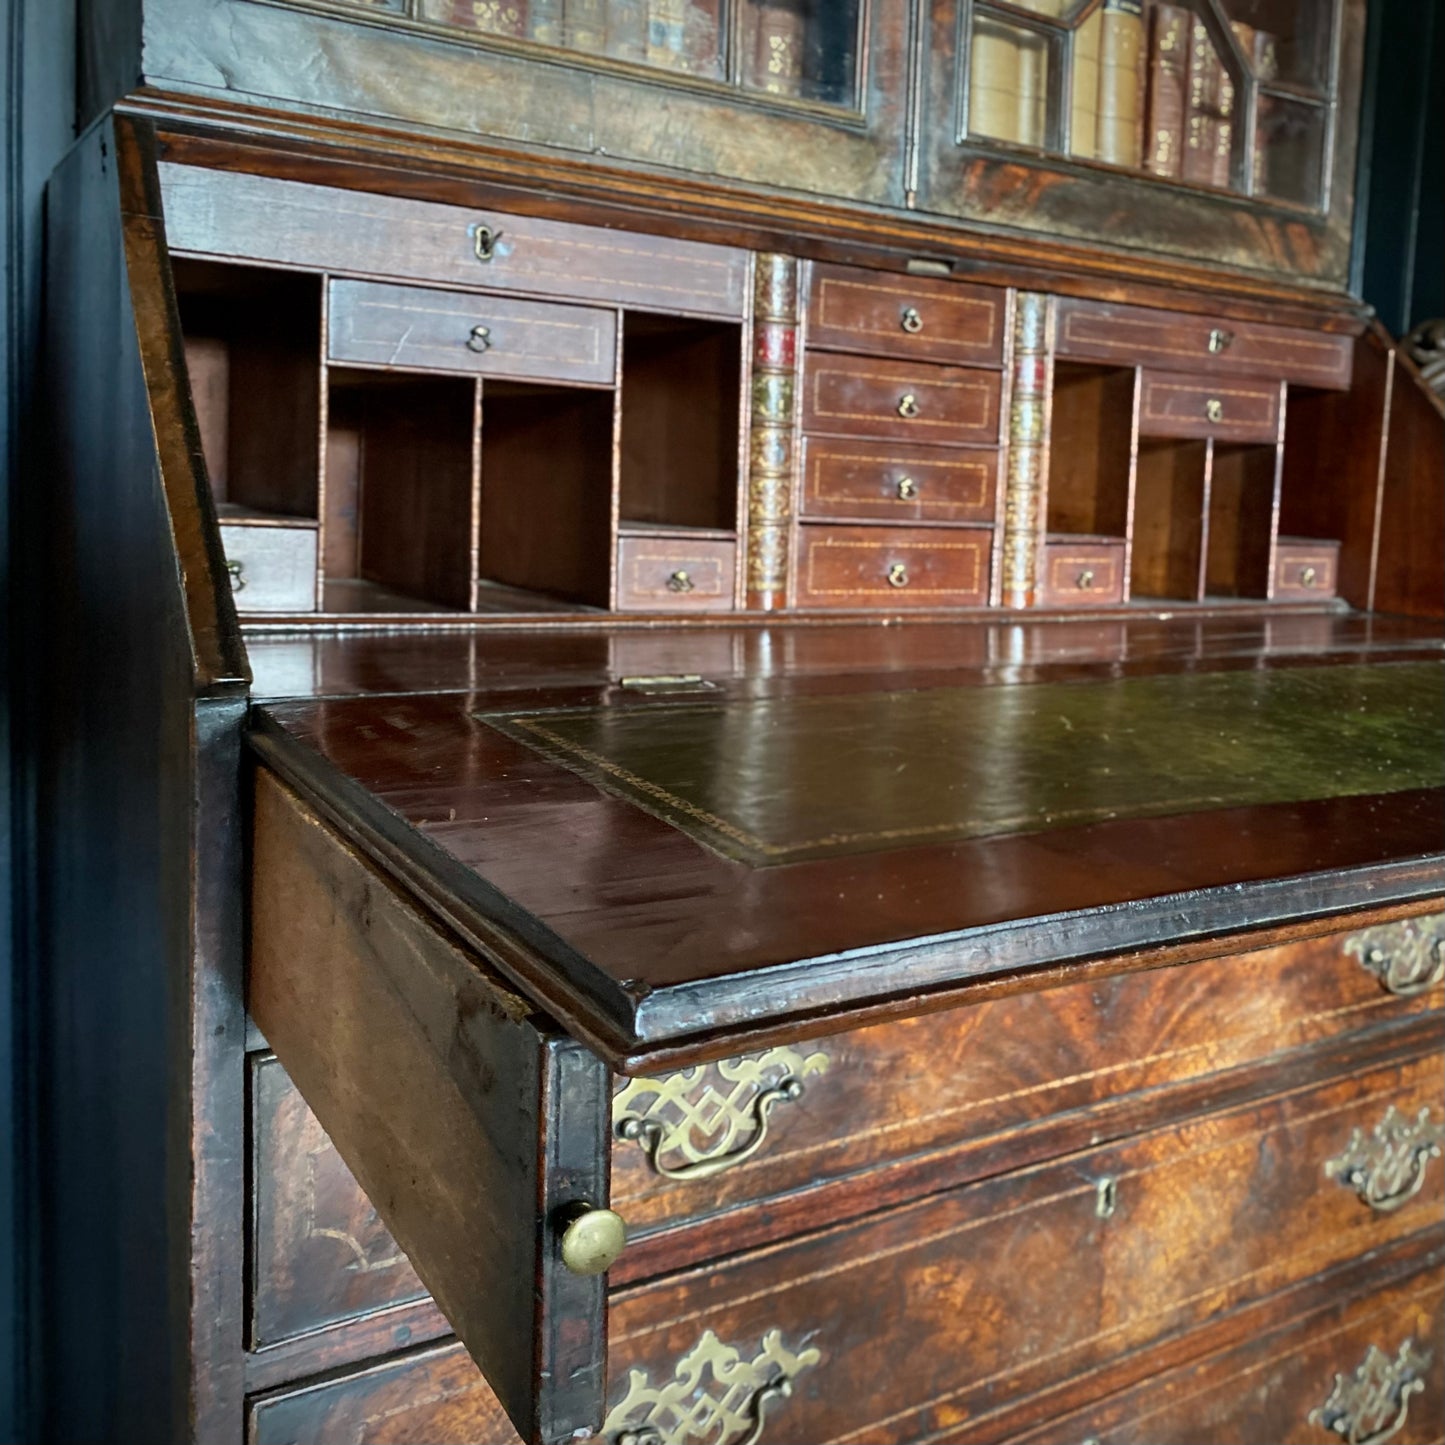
1168 519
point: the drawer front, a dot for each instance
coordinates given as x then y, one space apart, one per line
1133 335
437 1397
885 1111
321 1255
324 228
1306 569
914 402
670 574
1082 574
892 567
883 481
921 1316
888 315
410 327
273 569
1228 410
1384 1351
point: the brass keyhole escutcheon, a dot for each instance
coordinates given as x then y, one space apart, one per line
1308 577
1086 579
908 407
911 321
484 242
1220 341
1214 409
898 575
907 489
680 582
592 1240
235 570
480 340
1106 1197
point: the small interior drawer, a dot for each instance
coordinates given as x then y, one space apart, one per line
670 572
904 401
1082 572
1227 408
1304 567
884 314
1211 345
411 327
886 482
272 567
893 566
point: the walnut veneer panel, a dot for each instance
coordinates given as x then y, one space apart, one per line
852 479
892 567
907 401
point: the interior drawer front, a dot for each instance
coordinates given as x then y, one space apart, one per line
321 1255
885 482
879 1114
272 569
1306 569
409 327
1083 574
903 401
326 228
1225 409
672 574
892 567
437 1396
1133 335
883 314
926 1314
1283 1387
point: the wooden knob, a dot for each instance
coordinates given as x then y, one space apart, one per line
592 1240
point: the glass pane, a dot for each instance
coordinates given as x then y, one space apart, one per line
1008 83
807 49
1289 149
1285 40
1106 112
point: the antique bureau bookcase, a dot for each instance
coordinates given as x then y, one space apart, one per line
750 718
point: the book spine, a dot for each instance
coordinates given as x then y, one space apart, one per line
1201 125
1084 109
993 85
584 25
1121 82
627 29
781 35
1168 90
667 33
492 17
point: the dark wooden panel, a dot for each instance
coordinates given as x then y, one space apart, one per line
882 314
889 482
1410 570
1242 503
1226 409
327 229
500 1127
1306 568
1168 536
409 326
906 401
675 573
892 567
1205 345
1080 572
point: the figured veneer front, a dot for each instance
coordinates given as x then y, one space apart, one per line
471 1124
1082 572
1208 346
272 568
675 573
901 400
857 480
1228 409
892 566
1305 567
873 312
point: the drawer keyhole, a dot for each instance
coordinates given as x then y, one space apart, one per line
1106 1197
911 321
484 242
898 575
907 489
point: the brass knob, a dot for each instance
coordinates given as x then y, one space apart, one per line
484 242
907 489
592 1240
908 406
911 321
898 575
680 582
480 340
1308 577
1085 579
234 570
1220 341
1214 409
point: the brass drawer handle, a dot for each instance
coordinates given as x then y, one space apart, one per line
236 572
1387 1170
1085 579
907 489
1214 409
715 1392
1407 957
908 407
480 340
898 575
911 321
1308 577
592 1240
680 582
1371 1405
484 242
697 1117
1220 341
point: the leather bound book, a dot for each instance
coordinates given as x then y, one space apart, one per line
778 57
584 25
1168 90
545 21
1084 111
1121 82
667 33
993 82
1201 121
627 29
491 17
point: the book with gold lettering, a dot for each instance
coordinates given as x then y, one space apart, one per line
491 17
1167 102
545 21
779 40
584 25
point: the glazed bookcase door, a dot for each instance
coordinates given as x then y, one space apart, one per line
795 93
1210 129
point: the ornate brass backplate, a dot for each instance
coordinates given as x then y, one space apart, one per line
702 1121
1407 957
1371 1405
1388 1168
714 1395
